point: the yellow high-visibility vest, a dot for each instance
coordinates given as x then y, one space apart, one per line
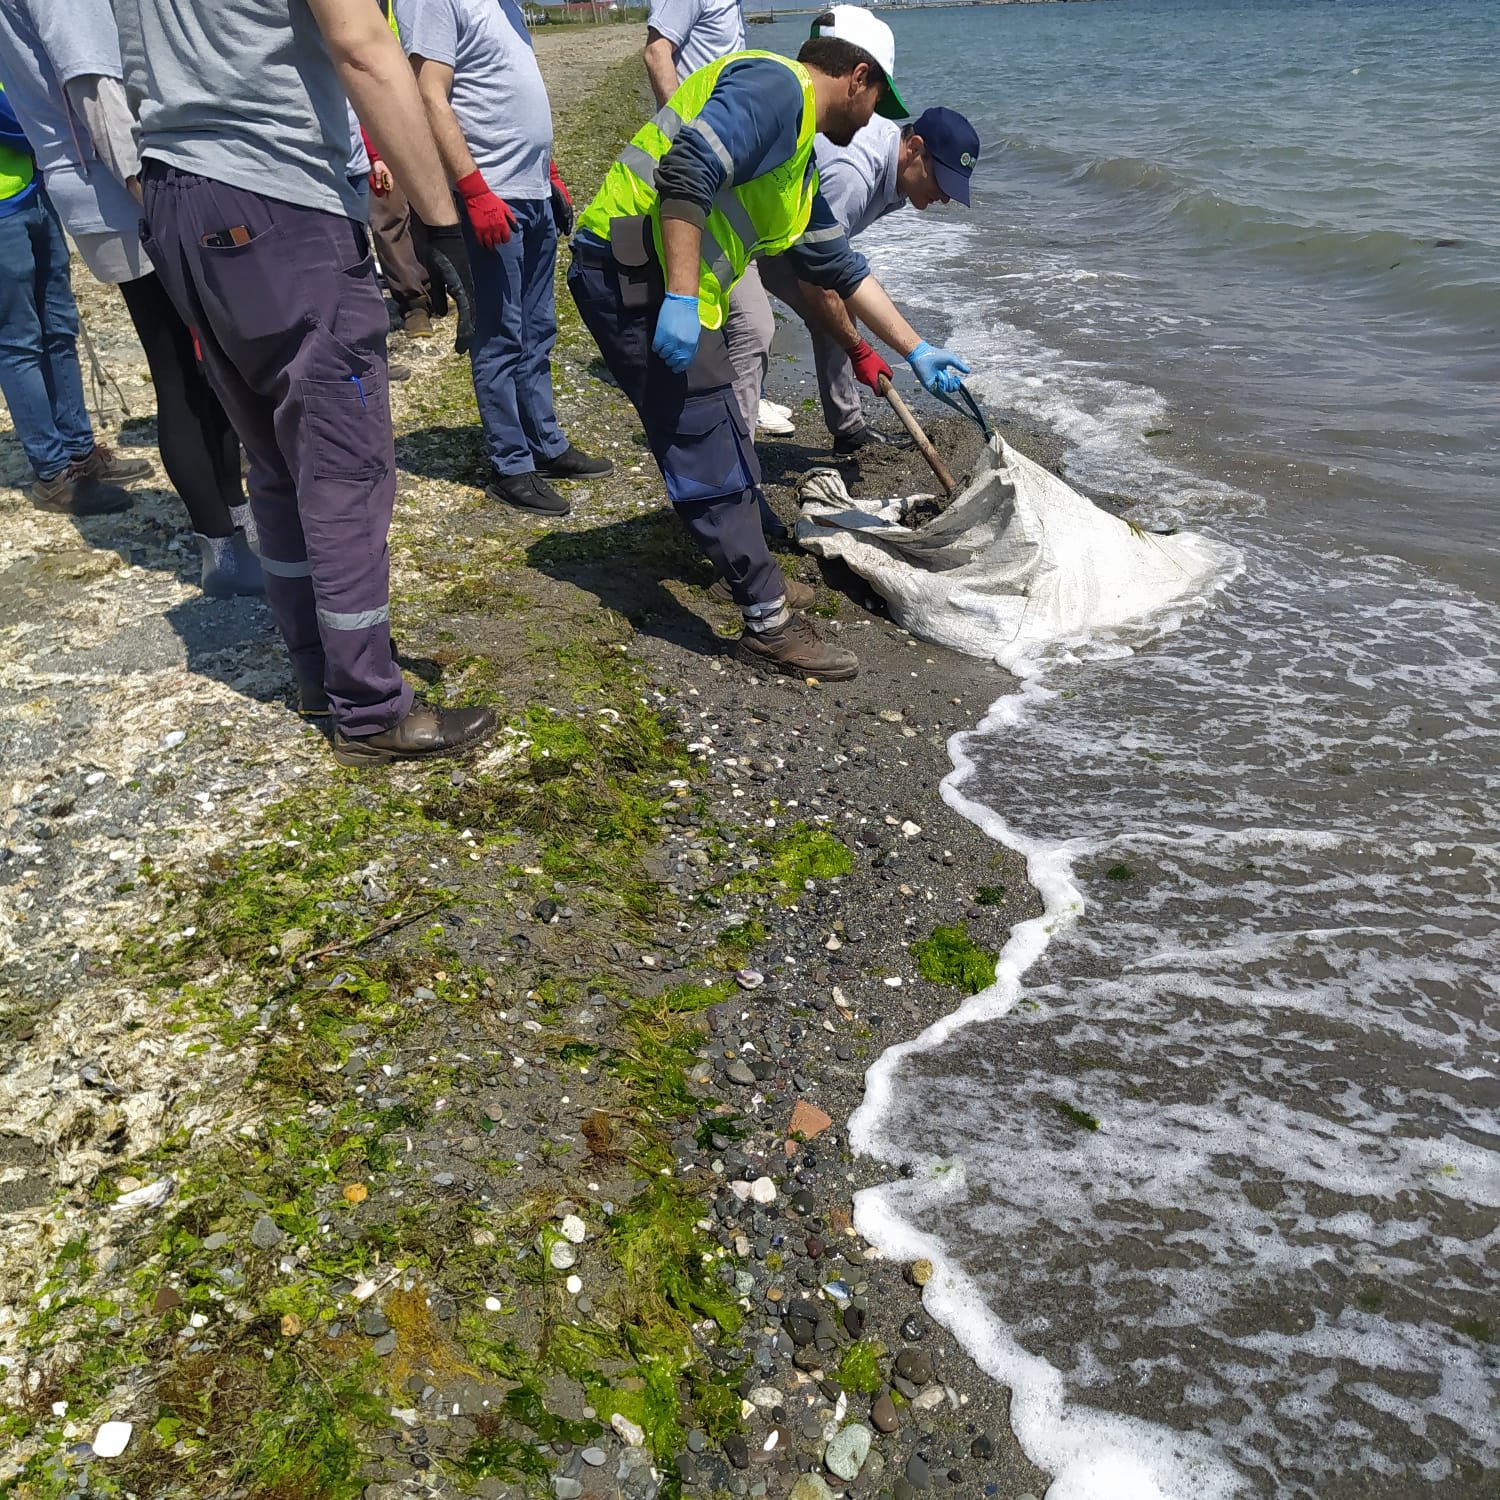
761 217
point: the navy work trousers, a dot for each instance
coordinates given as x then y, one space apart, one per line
292 327
693 422
515 327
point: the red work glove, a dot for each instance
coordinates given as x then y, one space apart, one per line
380 174
868 366
562 202
492 220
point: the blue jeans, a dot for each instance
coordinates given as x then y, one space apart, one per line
515 327
39 374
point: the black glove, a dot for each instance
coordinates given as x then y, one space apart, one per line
445 246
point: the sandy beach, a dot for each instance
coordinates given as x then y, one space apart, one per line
475 1129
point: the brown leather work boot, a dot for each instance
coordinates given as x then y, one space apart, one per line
799 651
425 733
70 495
799 595
110 467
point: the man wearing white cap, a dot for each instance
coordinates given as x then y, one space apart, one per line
681 37
725 172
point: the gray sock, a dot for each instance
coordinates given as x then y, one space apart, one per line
240 515
229 566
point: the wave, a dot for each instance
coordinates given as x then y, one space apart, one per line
1446 274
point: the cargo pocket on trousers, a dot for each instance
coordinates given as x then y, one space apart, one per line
348 426
360 322
708 455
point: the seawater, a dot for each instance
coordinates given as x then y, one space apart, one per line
1212 1174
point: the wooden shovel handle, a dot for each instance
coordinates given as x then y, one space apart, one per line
919 437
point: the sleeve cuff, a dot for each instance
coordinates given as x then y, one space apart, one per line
685 209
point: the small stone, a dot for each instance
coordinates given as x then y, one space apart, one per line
562 1255
629 1433
921 1272
737 1451
808 1120
854 1321
749 979
930 1399
811 1487
845 1456
738 1072
911 830
356 1192
914 1365
983 1447
918 1475
566 1489
763 1190
574 1285
384 1345
883 1413
913 1328
594 1457
574 1229
266 1235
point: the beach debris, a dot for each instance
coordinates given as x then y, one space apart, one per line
152 1195
111 1439
561 1255
749 979
574 1229
356 1192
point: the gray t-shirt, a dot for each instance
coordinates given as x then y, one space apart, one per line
240 91
859 180
44 45
700 31
498 96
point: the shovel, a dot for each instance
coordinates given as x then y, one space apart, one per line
920 438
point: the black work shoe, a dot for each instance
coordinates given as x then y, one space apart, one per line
425 733
312 699
573 463
867 437
799 651
799 595
527 492
72 495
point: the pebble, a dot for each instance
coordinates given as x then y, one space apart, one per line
738 1072
566 1489
930 1399
846 1454
749 979
983 1447
913 1328
914 1365
763 1190
811 1487
384 1345
574 1229
883 1413
628 1431
918 1475
562 1255
594 1457
737 1451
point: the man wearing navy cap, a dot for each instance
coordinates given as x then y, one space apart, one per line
884 167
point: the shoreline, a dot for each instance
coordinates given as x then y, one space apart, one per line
431 1024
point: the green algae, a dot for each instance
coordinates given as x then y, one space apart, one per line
949 956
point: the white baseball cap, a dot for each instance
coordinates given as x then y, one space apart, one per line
854 24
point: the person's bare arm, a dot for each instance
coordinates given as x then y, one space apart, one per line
378 80
435 83
682 242
661 69
831 314
874 308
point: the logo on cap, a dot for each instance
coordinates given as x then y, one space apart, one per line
966 160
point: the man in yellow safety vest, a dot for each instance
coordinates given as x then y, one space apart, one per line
723 173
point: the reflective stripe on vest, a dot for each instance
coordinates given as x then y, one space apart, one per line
763 216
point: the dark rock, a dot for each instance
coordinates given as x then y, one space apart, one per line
913 1329
915 1365
918 1475
983 1447
883 1413
737 1450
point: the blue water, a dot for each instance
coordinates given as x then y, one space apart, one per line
1245 259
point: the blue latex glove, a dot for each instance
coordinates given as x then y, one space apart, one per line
677 326
939 371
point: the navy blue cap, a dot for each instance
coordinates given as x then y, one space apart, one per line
953 145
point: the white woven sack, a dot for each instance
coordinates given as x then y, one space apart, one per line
1018 561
